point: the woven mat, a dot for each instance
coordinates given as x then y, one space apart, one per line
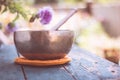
24 61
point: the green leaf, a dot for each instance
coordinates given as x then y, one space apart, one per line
5 9
17 16
24 16
0 8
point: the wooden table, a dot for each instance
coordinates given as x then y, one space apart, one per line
84 66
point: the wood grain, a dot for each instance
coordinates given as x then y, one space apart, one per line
84 66
99 67
8 70
47 73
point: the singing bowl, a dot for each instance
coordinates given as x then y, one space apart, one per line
44 44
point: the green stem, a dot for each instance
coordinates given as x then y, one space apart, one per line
17 16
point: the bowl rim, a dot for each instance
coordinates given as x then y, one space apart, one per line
44 30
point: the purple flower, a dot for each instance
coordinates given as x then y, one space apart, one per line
45 14
11 27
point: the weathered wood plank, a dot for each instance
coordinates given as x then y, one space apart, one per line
99 67
73 71
79 72
84 66
8 70
47 73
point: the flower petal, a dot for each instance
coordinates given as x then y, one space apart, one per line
45 14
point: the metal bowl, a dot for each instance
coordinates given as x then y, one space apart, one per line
43 44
